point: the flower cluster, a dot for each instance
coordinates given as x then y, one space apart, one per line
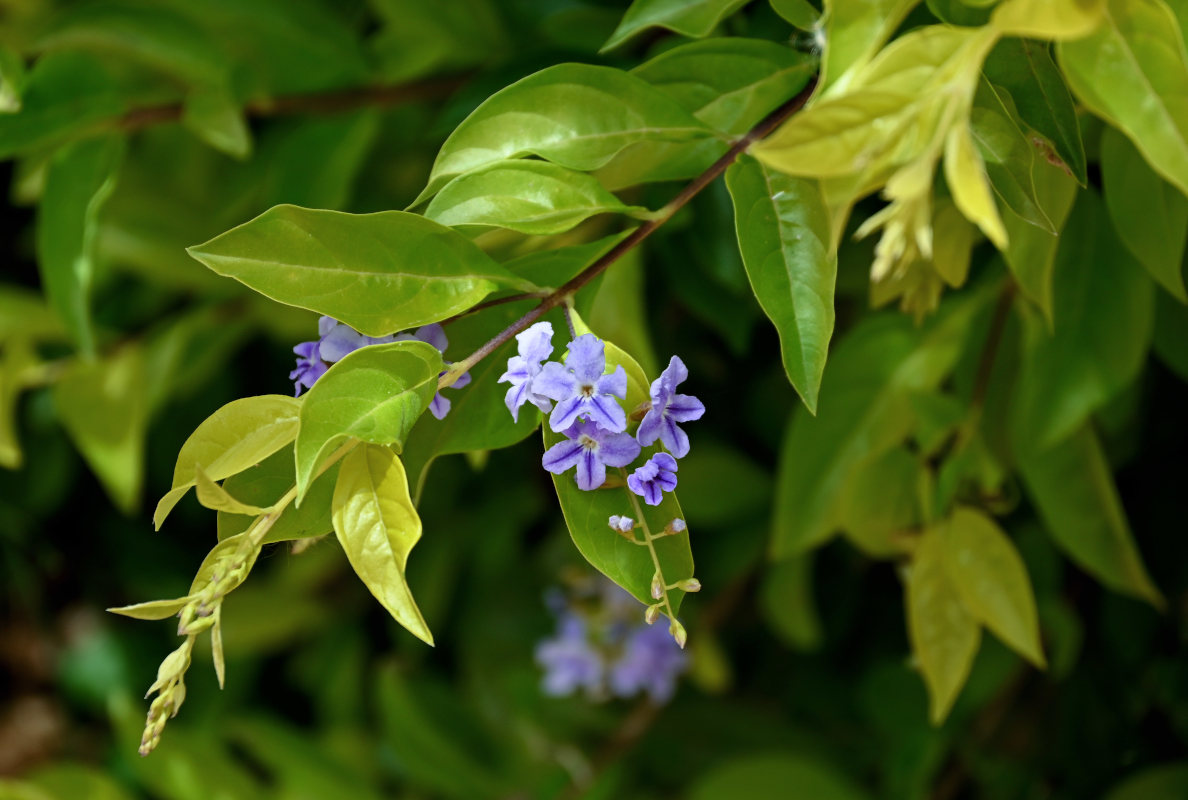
602 649
336 340
583 402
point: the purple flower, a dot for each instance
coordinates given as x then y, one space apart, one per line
310 366
580 388
434 336
651 662
669 408
569 659
535 345
591 449
656 476
339 340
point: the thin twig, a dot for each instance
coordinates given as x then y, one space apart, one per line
769 124
334 101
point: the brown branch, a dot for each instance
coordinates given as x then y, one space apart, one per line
558 297
334 101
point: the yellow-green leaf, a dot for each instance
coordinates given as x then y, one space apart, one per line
966 175
152 610
214 496
1031 251
943 633
377 525
991 580
854 32
237 436
1048 19
1133 72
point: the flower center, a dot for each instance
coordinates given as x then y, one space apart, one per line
587 442
587 390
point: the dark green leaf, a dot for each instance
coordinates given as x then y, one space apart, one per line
776 775
378 273
783 232
577 115
1025 70
1102 316
1149 214
215 116
786 597
265 484
79 180
695 18
1031 250
1008 156
1073 489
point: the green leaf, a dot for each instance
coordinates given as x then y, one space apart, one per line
557 266
854 32
881 502
775 775
694 18
374 394
944 635
836 136
1024 69
24 313
959 12
1031 251
1073 490
213 114
577 115
80 178
991 580
1171 331
729 83
1149 214
152 610
586 513
534 197
784 236
620 310
1133 72
799 13
17 356
786 598
378 273
317 162
102 406
965 174
1103 315
154 35
1047 19
12 81
237 436
377 525
478 420
1162 782
215 497
265 484
1008 156
865 410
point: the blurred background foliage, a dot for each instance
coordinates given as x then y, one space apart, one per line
800 684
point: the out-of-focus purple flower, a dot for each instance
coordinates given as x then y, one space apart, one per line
580 388
591 449
669 408
535 345
651 662
656 476
604 648
569 659
434 336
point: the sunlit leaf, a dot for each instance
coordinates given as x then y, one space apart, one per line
1048 19
854 32
944 635
1133 72
377 525
965 173
374 394
379 273
991 580
214 496
240 434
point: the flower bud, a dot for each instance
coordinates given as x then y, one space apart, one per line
678 633
691 585
652 613
657 587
